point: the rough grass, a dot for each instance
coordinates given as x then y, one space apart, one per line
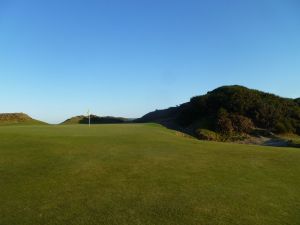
292 138
140 174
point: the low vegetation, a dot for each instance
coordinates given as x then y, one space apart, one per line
142 174
94 120
208 135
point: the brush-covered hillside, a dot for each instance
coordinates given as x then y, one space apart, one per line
229 111
95 120
18 118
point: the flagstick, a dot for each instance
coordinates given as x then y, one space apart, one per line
89 118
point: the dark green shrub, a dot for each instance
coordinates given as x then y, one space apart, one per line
283 127
298 129
241 124
224 124
280 128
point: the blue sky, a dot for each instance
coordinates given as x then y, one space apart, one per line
129 57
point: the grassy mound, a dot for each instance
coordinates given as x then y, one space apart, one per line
142 174
18 119
94 120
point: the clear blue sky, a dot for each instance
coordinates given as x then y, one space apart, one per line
128 57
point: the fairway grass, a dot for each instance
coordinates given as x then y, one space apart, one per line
142 174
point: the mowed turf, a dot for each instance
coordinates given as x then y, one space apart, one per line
140 174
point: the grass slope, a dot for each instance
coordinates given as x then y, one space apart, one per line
18 119
140 174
